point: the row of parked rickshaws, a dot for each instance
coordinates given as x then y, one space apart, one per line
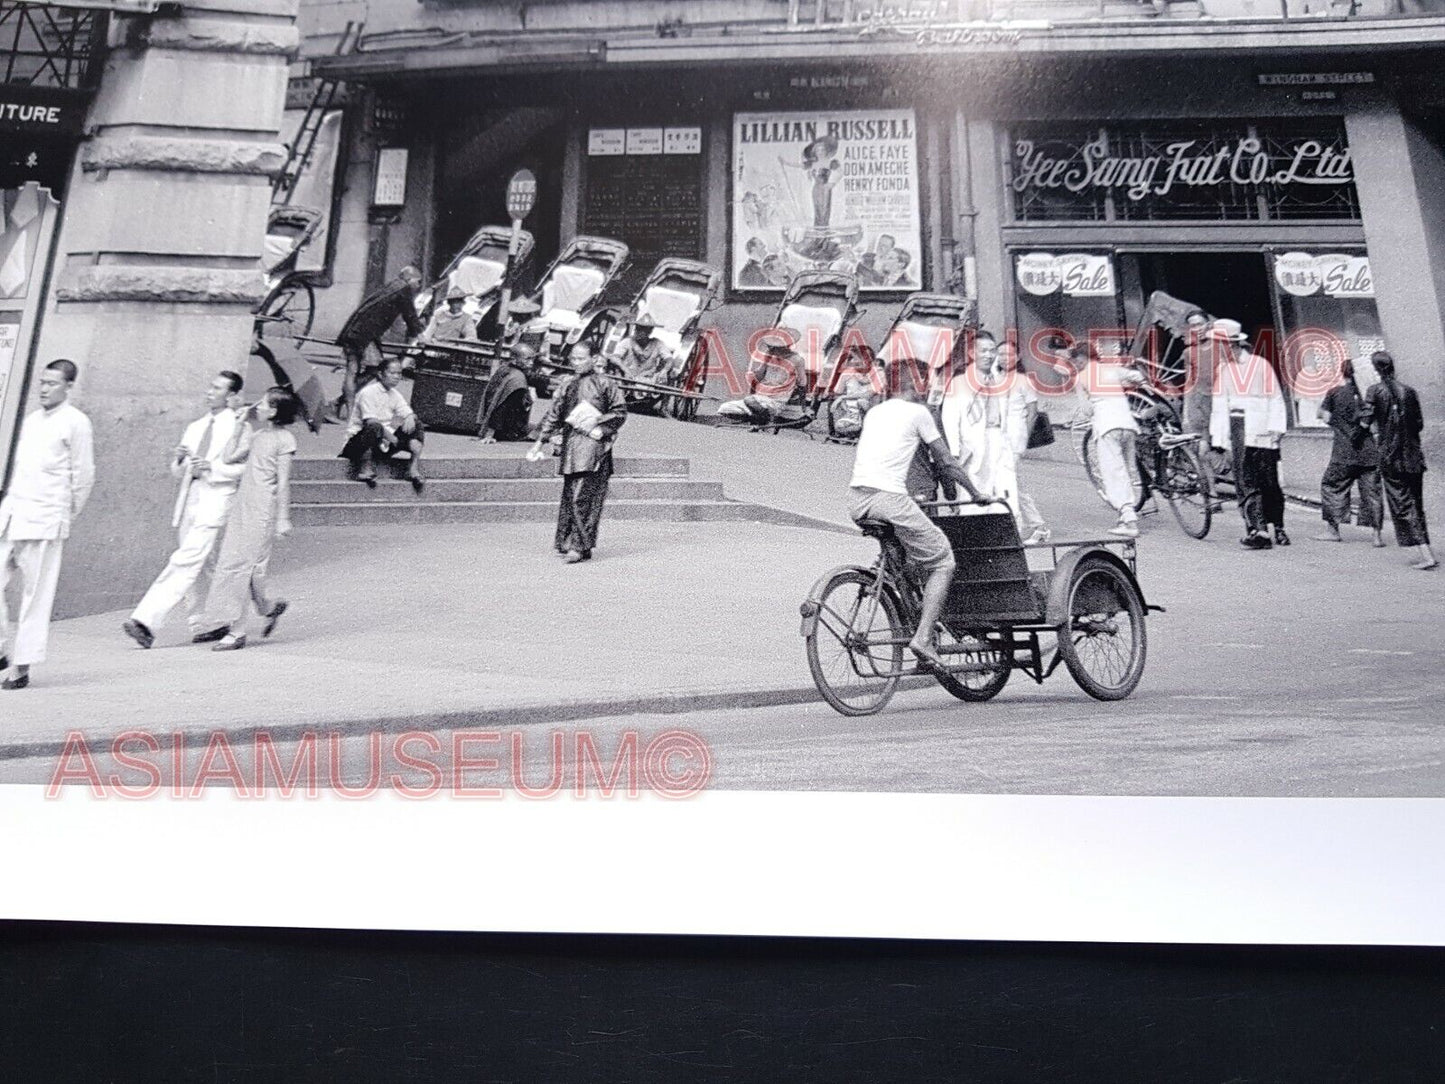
573 302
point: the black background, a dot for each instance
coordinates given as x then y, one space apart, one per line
122 1003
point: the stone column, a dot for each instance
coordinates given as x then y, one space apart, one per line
158 267
1400 177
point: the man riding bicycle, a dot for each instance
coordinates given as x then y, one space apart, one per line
892 433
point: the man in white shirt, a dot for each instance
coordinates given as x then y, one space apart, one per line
892 432
966 410
208 483
1246 388
1107 380
383 423
53 476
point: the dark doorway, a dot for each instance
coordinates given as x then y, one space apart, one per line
1235 285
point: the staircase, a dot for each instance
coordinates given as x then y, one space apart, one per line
510 490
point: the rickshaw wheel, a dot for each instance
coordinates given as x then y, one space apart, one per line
685 410
291 306
855 678
1188 488
975 688
1103 640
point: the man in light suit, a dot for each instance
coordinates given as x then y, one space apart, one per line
54 474
1248 415
208 483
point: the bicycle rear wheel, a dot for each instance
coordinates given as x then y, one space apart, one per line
855 646
1188 487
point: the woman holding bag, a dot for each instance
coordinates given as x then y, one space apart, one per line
587 411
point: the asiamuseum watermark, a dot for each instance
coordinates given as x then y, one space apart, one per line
468 764
1308 361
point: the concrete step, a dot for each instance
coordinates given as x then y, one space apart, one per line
427 512
477 490
326 469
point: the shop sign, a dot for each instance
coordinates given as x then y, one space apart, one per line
390 189
603 142
1075 274
1315 79
40 116
1335 274
644 141
682 141
830 190
1181 163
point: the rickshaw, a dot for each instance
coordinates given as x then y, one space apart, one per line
1086 611
290 301
675 297
479 270
820 306
570 295
926 327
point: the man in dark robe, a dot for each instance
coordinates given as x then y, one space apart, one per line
1395 409
372 319
506 412
587 410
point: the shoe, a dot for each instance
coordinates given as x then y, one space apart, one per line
571 557
1327 537
368 478
271 618
1256 541
928 659
1280 538
417 481
1378 543
1425 566
4 663
1125 528
138 632
230 643
209 637
1039 537
586 555
20 682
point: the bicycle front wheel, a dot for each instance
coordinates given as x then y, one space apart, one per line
1188 486
855 645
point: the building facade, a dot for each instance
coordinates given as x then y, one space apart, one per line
1283 165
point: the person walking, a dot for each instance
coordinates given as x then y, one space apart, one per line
1354 460
208 483
260 514
1248 415
966 413
1395 409
361 334
54 473
1107 378
1021 407
587 410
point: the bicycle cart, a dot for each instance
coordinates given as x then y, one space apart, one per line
1086 612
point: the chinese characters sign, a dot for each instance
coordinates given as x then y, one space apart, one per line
828 190
1075 274
1334 274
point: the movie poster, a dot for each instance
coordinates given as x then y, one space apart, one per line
826 191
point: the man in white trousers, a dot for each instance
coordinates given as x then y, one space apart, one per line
1107 379
208 483
53 476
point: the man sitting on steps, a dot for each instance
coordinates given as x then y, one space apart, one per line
383 423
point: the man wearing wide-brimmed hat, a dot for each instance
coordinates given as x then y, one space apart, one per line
640 356
452 321
1248 416
776 382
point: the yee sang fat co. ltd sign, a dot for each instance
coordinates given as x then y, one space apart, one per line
1184 170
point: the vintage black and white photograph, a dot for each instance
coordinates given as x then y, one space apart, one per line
564 403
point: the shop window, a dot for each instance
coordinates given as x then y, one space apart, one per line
1072 294
1182 171
1327 313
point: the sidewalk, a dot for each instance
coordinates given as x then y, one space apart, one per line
468 625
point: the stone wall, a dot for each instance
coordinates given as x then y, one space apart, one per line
157 267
